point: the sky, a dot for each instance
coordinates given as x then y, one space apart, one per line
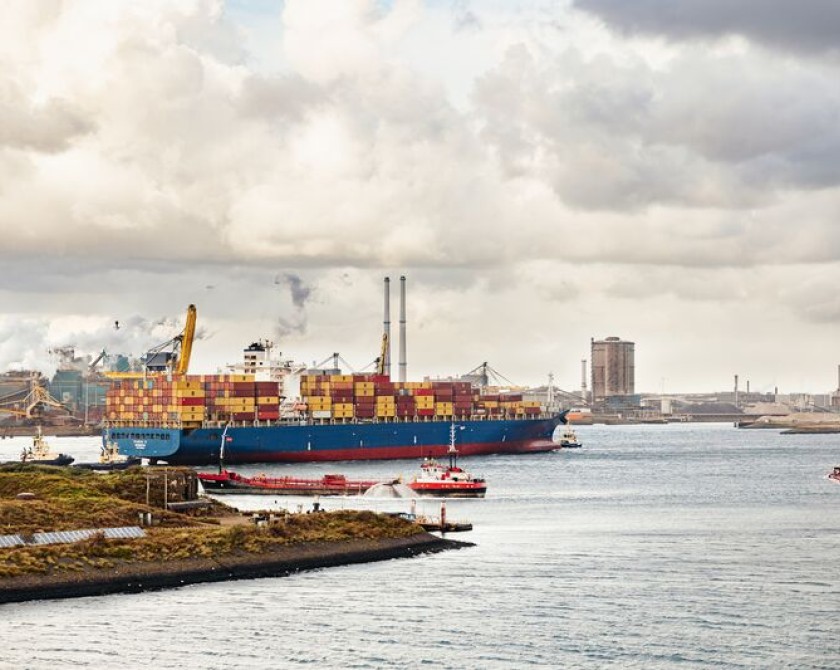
542 172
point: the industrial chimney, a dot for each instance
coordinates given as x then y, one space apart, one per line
736 391
402 330
583 393
387 324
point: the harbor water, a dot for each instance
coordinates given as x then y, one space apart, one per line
672 546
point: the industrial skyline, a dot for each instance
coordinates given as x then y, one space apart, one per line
540 173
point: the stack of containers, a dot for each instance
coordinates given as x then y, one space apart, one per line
529 408
488 404
364 390
158 401
386 406
268 400
187 401
462 399
511 404
341 393
424 401
444 398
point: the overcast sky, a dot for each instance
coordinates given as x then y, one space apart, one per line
542 172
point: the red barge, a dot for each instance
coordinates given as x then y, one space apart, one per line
227 481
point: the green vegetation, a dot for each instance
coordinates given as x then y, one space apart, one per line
67 499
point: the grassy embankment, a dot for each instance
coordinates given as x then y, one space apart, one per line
68 499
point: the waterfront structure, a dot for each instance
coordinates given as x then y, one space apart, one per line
613 368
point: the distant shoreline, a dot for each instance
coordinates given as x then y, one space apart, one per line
138 577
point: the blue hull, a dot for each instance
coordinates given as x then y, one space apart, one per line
334 442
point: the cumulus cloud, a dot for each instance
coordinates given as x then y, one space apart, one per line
528 169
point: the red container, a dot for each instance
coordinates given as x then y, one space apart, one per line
266 388
266 414
365 412
423 392
242 416
425 412
190 402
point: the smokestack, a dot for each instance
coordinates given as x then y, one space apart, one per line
583 392
748 388
736 391
402 330
388 326
838 377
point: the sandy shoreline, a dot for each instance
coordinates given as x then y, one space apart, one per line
136 577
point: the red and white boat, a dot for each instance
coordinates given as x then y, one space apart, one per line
436 479
835 475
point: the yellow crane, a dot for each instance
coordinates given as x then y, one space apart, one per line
383 355
171 356
186 338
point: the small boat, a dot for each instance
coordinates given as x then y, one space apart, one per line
436 479
39 453
568 439
835 474
227 481
110 458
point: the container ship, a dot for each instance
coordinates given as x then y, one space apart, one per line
186 420
267 411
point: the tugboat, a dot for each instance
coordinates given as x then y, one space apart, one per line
835 474
568 440
451 482
39 453
110 459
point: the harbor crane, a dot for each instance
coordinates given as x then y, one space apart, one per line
172 356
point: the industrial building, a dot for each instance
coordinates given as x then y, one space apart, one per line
613 369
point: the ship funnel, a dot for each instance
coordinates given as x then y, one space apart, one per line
402 330
387 325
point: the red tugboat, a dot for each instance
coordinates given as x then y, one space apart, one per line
451 482
835 475
329 485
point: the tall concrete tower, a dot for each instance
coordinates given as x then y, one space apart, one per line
613 368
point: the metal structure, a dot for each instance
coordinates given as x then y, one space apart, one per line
172 356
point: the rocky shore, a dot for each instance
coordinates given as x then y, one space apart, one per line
135 577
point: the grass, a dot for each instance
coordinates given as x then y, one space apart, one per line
68 499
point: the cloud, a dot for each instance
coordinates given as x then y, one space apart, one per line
810 26
532 173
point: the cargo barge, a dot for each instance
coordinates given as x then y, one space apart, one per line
227 481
